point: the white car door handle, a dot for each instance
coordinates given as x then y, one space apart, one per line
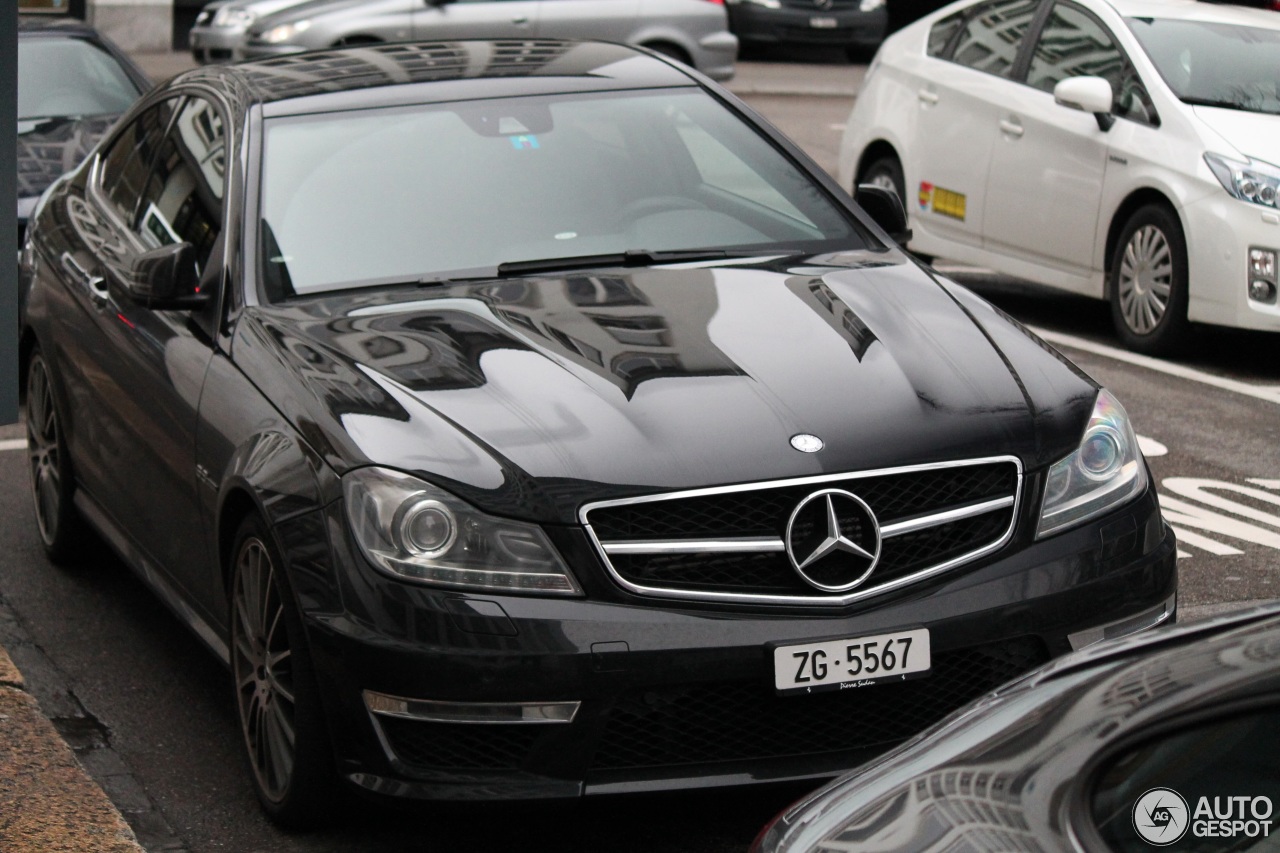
1011 127
928 97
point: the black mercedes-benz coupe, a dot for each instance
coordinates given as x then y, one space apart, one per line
529 419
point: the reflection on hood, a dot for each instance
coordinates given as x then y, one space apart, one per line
48 148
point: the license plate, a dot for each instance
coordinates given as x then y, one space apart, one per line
851 663
824 23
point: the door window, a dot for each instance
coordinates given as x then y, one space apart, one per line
182 199
1074 44
992 36
125 165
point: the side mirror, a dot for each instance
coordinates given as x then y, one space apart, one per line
885 209
1089 94
166 279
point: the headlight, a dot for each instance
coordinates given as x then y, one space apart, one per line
285 32
870 5
230 16
1254 181
1104 472
768 4
418 532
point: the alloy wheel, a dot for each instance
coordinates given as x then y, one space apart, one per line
43 449
1146 279
262 665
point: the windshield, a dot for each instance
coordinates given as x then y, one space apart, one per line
70 77
1221 65
406 194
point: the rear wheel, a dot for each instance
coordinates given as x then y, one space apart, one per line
1149 282
62 530
885 171
277 698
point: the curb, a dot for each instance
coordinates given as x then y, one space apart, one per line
47 800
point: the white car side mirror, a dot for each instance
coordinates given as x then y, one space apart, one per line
1090 94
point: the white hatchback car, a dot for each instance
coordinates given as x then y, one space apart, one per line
1120 149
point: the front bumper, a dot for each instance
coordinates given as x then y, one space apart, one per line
216 44
1220 231
640 695
755 24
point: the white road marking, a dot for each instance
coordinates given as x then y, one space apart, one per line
1150 447
13 444
1266 484
1204 543
835 127
1271 394
1199 490
1180 513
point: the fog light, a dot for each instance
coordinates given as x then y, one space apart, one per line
1262 291
1262 263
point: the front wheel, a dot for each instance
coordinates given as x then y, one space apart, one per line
885 171
277 697
1148 282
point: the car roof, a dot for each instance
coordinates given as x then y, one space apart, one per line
1197 10
438 71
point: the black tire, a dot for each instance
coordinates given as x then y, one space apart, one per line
1148 282
63 532
885 171
275 688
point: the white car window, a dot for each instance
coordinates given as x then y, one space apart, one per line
1073 43
992 36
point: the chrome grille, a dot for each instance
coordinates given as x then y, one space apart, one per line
727 544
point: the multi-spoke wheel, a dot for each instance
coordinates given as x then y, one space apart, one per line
885 172
52 485
1149 282
276 696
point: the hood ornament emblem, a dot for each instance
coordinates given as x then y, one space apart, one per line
833 540
806 443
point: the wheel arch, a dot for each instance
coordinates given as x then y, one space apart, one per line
874 151
1136 200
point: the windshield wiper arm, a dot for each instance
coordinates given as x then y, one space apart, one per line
1216 102
629 258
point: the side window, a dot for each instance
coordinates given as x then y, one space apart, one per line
991 37
1209 785
940 34
1074 44
125 165
182 199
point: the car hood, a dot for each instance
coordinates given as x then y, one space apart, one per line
531 396
1253 134
48 148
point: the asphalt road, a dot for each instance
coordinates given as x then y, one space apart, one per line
108 661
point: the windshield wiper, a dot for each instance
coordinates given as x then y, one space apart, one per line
629 258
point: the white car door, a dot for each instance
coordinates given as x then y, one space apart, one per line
1050 161
461 19
958 101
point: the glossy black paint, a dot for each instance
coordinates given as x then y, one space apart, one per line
189 420
1024 762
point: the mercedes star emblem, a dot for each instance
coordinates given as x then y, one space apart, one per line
833 540
806 443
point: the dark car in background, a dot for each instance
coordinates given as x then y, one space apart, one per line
1166 738
72 84
539 422
857 26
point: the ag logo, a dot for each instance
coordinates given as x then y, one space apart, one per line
1161 816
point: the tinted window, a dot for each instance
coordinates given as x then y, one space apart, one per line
70 77
1219 760
1074 44
397 194
940 34
993 34
1216 64
183 196
126 162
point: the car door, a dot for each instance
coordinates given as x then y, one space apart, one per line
456 19
152 366
957 107
1046 179
614 20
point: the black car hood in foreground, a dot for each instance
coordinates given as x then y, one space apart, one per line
531 396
